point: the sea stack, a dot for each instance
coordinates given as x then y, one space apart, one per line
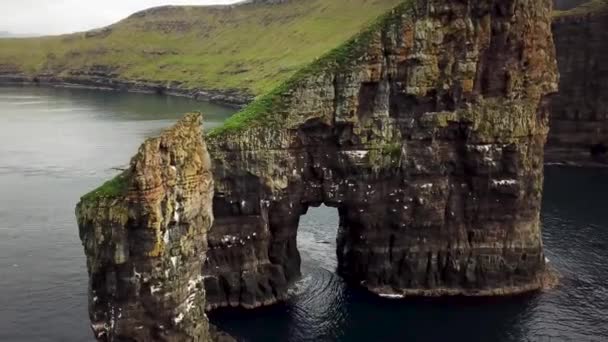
426 132
145 238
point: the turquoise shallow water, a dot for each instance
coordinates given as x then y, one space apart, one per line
57 144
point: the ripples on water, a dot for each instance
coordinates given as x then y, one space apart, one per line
56 145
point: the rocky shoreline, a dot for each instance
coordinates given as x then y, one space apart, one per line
547 280
231 98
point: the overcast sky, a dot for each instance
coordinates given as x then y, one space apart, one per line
64 16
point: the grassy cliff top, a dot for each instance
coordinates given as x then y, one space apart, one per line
116 187
590 7
251 46
267 109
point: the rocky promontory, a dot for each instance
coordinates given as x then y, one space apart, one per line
145 238
426 132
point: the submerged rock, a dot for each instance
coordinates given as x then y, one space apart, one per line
426 132
145 238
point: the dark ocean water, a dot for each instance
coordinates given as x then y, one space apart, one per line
56 145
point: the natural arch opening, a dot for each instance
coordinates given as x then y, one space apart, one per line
316 239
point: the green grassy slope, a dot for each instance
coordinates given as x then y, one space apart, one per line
252 47
266 110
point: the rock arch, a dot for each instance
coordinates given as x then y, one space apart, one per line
426 132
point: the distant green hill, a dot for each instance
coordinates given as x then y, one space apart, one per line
252 46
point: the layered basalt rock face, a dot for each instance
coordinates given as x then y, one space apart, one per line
426 132
145 238
579 114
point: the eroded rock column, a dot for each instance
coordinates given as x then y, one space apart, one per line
426 132
145 238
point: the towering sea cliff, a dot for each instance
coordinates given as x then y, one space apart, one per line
579 128
145 237
426 132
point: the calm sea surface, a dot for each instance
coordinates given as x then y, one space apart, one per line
57 144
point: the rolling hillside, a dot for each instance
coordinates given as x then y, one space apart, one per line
250 47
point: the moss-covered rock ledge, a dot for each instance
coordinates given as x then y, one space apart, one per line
425 131
145 237
115 188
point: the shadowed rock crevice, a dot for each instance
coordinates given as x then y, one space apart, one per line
426 132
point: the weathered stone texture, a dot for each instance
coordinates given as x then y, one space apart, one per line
579 114
145 238
429 142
